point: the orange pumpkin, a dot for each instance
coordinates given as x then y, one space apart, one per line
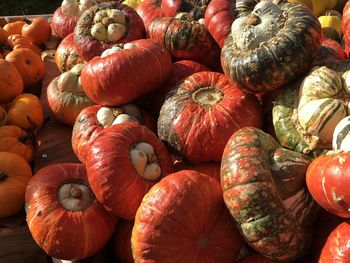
15 174
26 112
29 64
14 139
5 52
11 83
14 27
3 36
15 39
1 56
38 30
33 47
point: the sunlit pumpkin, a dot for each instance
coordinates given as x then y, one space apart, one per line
26 112
14 27
37 30
29 64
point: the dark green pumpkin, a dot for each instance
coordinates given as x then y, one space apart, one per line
270 44
186 38
264 189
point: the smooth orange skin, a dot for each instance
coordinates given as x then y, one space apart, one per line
12 189
38 31
29 64
23 108
14 27
11 83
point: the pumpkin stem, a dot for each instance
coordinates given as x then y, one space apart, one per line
208 96
75 192
253 20
3 176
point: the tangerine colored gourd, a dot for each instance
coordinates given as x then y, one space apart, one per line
11 83
38 30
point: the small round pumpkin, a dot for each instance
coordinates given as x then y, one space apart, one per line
16 39
26 112
14 27
183 219
15 174
29 64
63 215
11 83
14 139
37 30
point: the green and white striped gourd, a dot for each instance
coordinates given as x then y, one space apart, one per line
341 135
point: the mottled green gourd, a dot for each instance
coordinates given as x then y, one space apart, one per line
264 189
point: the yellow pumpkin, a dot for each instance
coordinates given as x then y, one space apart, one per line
317 6
332 19
132 3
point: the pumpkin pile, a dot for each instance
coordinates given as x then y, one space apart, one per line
204 131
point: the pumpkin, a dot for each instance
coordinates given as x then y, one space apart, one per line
327 178
26 112
346 27
306 113
63 24
149 10
66 55
65 96
16 39
117 84
205 108
186 38
11 83
65 17
329 50
133 3
29 65
103 26
3 36
63 215
181 69
264 188
14 139
219 17
37 30
284 36
336 248
15 174
128 171
331 23
14 27
184 219
3 115
317 6
92 120
122 241
341 135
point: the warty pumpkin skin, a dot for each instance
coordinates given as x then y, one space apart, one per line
65 96
186 38
66 55
183 219
336 248
200 115
14 139
15 174
269 45
88 46
87 127
113 176
63 215
126 74
264 189
327 179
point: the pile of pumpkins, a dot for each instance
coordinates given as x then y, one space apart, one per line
207 131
